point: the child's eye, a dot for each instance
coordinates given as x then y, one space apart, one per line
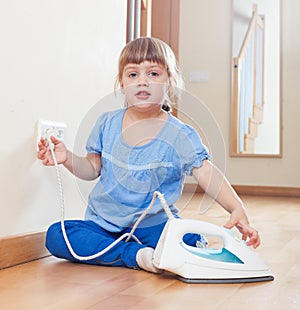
153 73
132 75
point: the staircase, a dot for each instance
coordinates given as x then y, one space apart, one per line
253 123
248 87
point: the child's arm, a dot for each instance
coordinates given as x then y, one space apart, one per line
86 168
215 184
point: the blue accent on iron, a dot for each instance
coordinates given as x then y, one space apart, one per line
220 255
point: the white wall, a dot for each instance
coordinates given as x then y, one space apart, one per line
58 59
205 46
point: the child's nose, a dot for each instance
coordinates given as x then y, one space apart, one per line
143 80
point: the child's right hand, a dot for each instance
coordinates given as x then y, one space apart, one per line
44 153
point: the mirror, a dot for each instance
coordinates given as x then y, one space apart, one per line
256 104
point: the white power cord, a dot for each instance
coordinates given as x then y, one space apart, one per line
128 235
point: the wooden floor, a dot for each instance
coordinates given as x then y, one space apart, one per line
50 283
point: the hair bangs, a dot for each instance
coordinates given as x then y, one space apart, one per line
140 50
145 50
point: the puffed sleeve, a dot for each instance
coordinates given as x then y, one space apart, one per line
190 149
95 140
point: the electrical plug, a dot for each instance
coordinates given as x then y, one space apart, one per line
46 128
51 132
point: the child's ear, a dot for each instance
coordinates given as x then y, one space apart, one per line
169 85
122 89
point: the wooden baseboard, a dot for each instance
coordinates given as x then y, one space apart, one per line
267 191
253 190
21 249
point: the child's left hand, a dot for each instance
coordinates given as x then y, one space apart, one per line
249 234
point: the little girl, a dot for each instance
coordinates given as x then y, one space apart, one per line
134 152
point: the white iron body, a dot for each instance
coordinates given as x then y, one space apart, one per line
234 263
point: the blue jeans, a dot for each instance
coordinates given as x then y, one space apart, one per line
88 238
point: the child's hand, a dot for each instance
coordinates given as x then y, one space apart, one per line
249 234
44 153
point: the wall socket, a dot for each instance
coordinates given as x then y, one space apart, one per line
47 128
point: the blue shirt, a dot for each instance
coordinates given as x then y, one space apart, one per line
131 174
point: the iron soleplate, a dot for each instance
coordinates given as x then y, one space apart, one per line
226 281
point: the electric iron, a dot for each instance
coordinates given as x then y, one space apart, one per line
235 262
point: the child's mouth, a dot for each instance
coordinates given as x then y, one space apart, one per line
142 95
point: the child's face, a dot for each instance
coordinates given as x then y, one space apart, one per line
145 84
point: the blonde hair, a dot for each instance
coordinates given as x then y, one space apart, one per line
153 50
